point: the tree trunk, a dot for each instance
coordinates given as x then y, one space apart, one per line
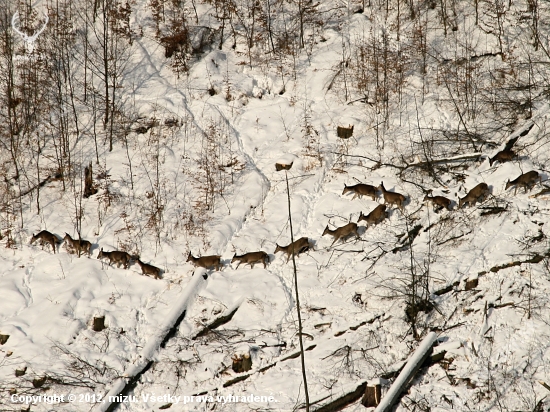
89 188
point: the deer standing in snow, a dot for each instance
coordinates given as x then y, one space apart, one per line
296 247
527 180
376 216
45 237
392 198
207 262
480 191
342 232
116 256
251 259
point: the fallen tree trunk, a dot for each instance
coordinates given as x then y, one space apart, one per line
408 372
131 376
215 324
344 400
241 378
47 180
378 163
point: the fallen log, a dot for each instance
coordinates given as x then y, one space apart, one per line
342 401
215 324
446 289
243 377
535 259
408 372
51 178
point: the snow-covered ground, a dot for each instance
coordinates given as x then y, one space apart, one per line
353 295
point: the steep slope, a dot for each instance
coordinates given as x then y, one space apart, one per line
429 104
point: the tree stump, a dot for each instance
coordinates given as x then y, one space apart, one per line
283 166
241 363
372 396
344 132
471 284
38 382
20 372
99 324
247 363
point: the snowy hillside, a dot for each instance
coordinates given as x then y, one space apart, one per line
180 111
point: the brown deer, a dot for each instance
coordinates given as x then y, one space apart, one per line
116 256
297 247
502 156
78 245
392 198
376 216
45 237
252 258
207 262
360 190
441 201
480 191
150 270
527 180
342 232
344 132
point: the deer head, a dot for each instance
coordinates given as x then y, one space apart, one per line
29 40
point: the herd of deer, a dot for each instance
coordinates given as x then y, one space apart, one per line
481 191
82 246
376 216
